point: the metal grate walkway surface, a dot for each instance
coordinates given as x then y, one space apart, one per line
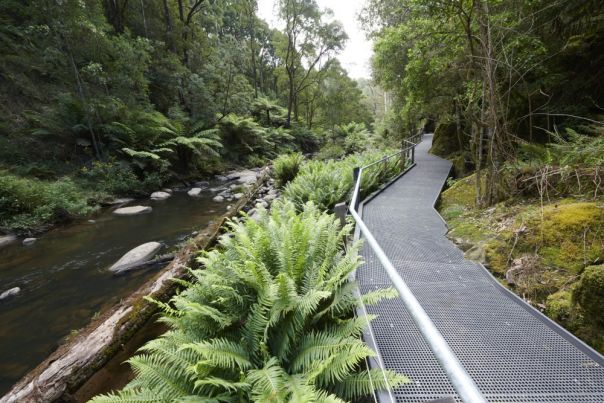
513 352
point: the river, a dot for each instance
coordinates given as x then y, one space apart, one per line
64 278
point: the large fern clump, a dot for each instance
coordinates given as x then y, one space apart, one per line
327 183
286 167
269 319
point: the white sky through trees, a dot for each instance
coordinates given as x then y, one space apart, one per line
355 57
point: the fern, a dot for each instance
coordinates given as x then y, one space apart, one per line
271 318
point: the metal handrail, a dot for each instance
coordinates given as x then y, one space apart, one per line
463 384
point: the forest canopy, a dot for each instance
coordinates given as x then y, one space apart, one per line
120 96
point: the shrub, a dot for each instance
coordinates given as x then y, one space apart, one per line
28 203
271 318
331 152
118 178
286 167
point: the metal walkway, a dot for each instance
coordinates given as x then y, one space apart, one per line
513 352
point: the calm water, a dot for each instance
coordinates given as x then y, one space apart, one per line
64 279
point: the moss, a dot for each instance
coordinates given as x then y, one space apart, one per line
568 234
559 307
589 293
445 141
461 195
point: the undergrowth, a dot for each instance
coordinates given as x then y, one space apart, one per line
270 318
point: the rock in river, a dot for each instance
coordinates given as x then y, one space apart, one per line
218 199
194 192
133 210
160 195
10 293
29 241
7 240
135 257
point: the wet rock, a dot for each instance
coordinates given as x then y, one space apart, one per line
262 203
218 189
167 190
221 178
237 196
194 233
218 199
141 254
270 197
29 241
160 195
133 210
7 240
195 192
12 292
91 221
202 184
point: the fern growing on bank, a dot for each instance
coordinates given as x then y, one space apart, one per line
286 167
327 183
270 319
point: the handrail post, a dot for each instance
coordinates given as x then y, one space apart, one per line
355 177
412 155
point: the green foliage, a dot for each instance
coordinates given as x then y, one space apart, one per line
243 137
270 318
327 183
589 293
331 151
32 203
286 167
119 178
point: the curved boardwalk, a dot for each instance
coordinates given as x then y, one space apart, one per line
513 352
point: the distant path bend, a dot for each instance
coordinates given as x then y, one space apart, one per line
513 352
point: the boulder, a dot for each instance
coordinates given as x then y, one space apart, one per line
135 257
202 184
10 293
132 210
7 240
195 192
218 199
238 196
29 241
160 195
221 178
167 190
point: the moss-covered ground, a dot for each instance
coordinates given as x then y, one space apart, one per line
549 252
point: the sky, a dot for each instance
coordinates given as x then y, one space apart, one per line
355 57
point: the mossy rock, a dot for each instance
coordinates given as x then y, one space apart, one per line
461 194
559 307
445 141
462 164
568 234
589 293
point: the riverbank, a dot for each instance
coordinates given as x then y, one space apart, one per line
70 365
